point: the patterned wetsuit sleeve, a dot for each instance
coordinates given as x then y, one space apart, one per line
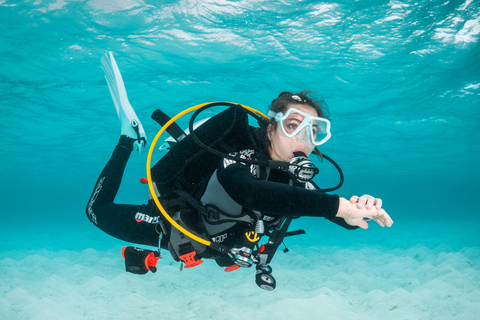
273 198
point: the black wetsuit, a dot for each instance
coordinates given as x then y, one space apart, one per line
132 223
138 223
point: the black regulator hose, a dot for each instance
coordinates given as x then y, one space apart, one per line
281 165
340 172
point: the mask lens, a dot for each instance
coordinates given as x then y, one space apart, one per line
320 131
292 123
306 127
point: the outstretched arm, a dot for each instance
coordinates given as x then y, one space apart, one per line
273 198
281 199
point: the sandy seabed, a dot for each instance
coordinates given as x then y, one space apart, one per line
436 278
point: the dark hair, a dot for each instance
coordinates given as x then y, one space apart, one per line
305 97
286 98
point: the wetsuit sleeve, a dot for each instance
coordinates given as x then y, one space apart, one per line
273 198
337 220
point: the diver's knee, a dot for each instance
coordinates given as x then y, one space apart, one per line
91 214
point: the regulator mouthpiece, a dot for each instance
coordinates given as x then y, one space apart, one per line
301 168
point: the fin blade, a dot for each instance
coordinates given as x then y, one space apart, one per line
131 125
115 82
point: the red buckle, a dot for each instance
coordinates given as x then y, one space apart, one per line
190 260
233 267
151 261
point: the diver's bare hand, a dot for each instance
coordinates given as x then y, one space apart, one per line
358 217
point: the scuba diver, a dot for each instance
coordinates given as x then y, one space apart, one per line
224 182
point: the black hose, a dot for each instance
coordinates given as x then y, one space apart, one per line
272 164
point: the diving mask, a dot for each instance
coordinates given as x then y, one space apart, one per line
305 127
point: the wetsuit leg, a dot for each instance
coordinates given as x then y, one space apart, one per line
132 223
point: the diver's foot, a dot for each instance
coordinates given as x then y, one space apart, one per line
132 127
126 142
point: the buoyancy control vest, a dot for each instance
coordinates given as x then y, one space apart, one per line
181 181
189 214
181 177
188 166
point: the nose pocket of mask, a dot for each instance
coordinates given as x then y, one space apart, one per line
304 136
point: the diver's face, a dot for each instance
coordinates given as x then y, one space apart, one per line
283 147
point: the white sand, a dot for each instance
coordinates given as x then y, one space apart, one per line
406 272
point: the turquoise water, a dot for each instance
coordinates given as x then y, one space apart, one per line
402 81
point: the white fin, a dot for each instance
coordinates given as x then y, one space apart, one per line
131 125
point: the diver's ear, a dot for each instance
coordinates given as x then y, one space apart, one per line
269 131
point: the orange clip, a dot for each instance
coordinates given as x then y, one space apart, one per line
233 267
151 261
190 260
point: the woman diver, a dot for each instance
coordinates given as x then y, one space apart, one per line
255 195
296 127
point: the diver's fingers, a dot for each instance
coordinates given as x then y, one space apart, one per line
357 221
359 202
379 221
354 199
383 217
363 224
369 201
364 201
